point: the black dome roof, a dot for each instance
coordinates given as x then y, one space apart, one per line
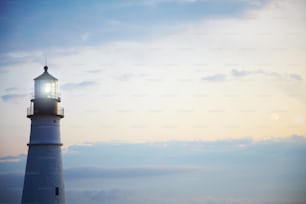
46 75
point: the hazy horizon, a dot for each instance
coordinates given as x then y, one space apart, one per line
220 172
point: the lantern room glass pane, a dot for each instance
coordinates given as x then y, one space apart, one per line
45 89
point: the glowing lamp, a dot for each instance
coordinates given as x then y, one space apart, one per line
45 85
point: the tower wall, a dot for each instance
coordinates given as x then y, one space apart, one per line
45 130
44 182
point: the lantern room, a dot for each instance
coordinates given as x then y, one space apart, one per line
45 85
46 99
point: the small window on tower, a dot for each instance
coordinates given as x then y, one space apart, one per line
56 191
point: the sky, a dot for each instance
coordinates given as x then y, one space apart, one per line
144 72
157 70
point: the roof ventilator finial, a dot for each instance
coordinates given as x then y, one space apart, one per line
46 63
46 68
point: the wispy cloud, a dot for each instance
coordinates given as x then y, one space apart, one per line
13 97
123 172
281 76
176 153
296 77
10 89
20 57
112 196
7 61
215 78
73 86
94 71
9 159
241 73
125 77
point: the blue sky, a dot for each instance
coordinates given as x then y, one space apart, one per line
42 25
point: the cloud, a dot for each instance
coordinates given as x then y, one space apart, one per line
12 164
215 78
13 97
112 196
280 76
121 196
241 73
236 74
5 61
11 89
296 77
179 153
16 58
9 159
76 86
126 77
94 71
122 172
221 171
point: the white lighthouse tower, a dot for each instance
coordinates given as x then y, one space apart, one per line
44 181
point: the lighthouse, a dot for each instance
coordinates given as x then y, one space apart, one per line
44 180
